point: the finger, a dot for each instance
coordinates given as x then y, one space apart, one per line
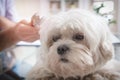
32 38
26 29
24 22
36 20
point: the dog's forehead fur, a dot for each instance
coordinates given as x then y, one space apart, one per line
71 19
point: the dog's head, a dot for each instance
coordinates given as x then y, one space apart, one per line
75 43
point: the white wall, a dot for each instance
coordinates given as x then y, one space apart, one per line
26 8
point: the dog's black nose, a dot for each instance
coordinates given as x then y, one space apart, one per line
62 49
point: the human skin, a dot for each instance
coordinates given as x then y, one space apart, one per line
12 32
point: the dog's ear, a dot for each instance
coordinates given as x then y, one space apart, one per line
105 45
106 50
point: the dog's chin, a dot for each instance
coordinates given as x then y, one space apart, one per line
64 60
77 62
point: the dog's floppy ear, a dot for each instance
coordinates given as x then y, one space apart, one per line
107 50
106 47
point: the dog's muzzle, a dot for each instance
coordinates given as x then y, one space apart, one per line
62 50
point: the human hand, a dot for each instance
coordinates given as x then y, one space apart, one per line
24 31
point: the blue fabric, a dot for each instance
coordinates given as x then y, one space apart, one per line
7 9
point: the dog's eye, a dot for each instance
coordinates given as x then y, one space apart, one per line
55 38
78 37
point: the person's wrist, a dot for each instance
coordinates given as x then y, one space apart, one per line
15 36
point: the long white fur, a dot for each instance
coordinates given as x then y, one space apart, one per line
85 58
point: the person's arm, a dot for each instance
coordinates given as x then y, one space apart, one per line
16 32
5 23
6 35
7 38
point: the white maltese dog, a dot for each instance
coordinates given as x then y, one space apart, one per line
75 45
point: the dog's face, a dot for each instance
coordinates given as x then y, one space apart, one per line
75 43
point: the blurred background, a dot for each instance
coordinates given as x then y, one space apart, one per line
106 8
23 54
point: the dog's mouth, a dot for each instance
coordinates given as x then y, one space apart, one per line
64 60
